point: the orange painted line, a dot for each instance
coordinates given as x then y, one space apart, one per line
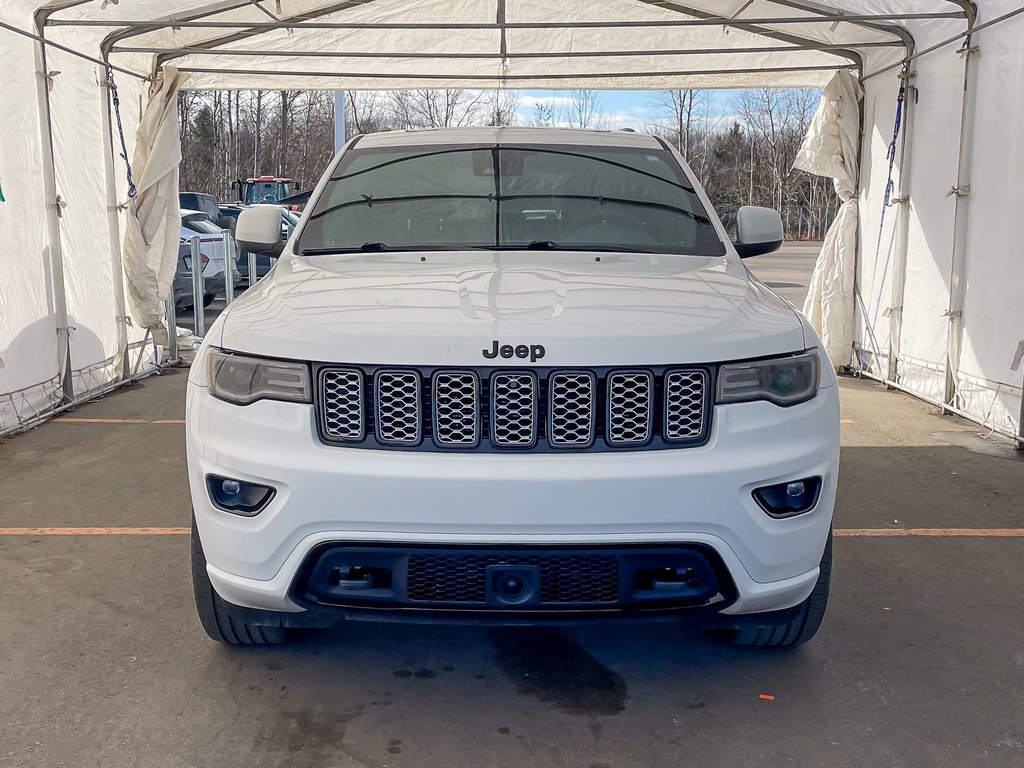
76 420
93 531
766 697
935 532
847 421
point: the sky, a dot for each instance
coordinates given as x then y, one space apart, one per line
619 109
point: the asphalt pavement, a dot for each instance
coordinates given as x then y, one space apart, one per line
920 662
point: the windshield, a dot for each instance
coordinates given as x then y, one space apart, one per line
536 196
199 224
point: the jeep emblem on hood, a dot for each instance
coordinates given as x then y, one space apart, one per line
533 351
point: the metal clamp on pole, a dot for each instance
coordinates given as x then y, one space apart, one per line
197 287
171 318
229 266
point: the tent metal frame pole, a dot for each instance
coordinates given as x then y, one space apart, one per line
948 41
753 28
142 26
114 230
53 207
70 51
961 219
176 52
897 289
490 78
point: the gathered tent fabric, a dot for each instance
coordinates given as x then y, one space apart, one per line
831 148
153 224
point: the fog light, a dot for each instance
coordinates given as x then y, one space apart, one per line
788 499
237 496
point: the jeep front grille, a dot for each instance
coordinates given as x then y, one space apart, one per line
629 407
456 408
571 411
513 410
541 409
684 408
398 407
341 399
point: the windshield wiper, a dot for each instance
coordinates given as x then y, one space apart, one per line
551 245
378 247
330 250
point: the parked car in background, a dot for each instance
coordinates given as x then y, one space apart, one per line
211 244
264 261
199 201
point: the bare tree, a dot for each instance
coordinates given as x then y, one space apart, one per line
680 109
584 110
501 107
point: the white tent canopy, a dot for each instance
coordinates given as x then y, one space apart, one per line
934 303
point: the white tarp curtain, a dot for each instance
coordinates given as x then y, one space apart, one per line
153 222
904 264
831 148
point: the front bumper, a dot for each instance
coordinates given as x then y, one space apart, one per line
328 495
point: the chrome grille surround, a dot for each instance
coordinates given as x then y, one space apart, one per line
630 404
399 399
684 405
456 396
341 404
572 409
514 409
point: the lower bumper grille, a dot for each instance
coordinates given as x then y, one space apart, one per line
455 578
512 579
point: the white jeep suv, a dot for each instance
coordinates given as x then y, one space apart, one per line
512 375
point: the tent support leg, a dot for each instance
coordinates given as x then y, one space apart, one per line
53 207
958 268
114 232
899 269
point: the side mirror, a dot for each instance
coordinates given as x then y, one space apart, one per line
758 230
259 230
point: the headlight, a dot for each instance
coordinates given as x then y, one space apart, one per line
243 380
782 380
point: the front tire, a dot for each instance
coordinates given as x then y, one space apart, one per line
801 626
214 611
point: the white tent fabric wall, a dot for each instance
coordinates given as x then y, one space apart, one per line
987 390
696 43
993 319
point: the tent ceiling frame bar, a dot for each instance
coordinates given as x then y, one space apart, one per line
746 26
70 51
947 41
837 15
213 43
492 55
142 25
494 78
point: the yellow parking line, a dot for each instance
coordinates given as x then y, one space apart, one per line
950 533
77 420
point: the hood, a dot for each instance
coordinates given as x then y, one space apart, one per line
448 308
